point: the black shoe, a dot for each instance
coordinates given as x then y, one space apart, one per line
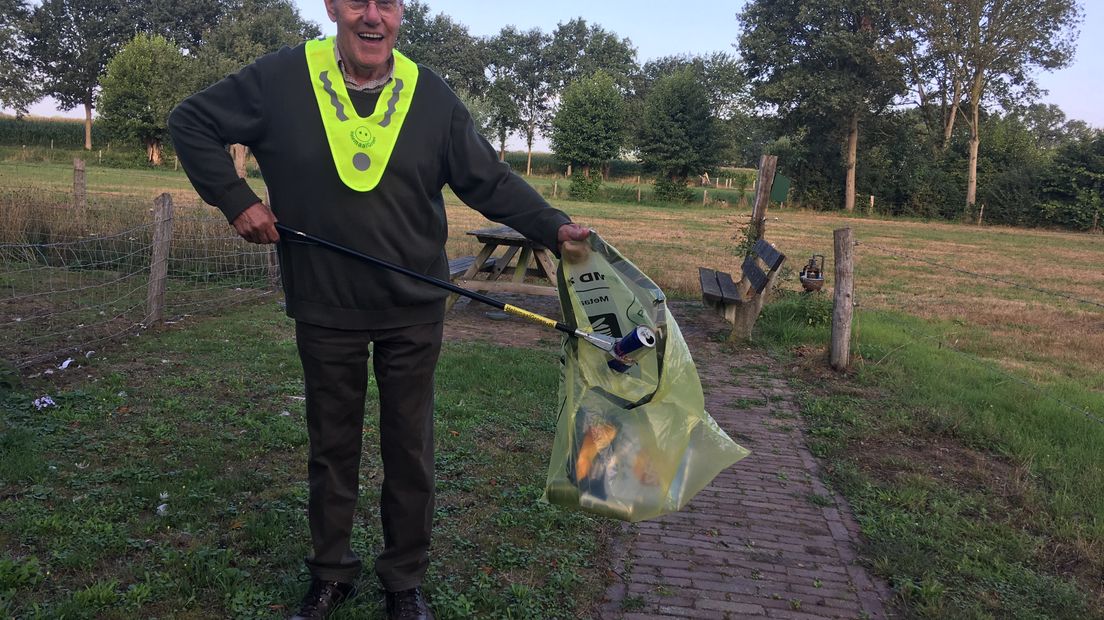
323 598
408 605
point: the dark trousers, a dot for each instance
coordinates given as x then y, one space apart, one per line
335 371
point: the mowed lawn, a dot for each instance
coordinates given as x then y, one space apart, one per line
960 438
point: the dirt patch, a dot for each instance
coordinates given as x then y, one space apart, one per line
473 321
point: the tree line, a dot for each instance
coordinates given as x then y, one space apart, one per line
929 105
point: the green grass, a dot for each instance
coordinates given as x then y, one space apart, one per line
140 182
979 494
207 421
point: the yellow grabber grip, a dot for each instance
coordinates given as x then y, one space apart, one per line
532 316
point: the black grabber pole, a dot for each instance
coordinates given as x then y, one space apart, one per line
603 342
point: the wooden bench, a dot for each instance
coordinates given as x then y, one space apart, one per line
741 302
458 266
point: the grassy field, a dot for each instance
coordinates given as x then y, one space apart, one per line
967 438
167 481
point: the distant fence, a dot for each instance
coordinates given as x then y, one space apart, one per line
79 269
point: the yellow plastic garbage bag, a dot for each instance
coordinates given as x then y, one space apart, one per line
637 444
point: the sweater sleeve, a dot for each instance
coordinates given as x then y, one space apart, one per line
490 187
231 111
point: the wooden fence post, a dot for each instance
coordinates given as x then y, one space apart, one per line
159 259
705 197
981 213
763 185
843 299
80 195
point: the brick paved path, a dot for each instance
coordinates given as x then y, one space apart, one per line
767 539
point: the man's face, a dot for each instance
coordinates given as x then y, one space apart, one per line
366 33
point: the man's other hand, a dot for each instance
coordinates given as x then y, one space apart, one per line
257 224
573 245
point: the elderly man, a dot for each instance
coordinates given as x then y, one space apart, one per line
356 142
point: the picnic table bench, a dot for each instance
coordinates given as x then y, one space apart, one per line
521 259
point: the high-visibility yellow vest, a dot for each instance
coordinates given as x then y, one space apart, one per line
361 147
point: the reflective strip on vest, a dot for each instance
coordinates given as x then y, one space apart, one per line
361 147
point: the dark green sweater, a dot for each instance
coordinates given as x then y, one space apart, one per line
269 106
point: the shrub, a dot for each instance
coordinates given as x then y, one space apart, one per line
585 186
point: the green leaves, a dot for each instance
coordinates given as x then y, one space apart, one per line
679 135
142 85
588 129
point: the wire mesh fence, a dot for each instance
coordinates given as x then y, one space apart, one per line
74 274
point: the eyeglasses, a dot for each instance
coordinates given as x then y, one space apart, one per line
385 7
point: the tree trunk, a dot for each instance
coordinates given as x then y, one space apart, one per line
852 157
88 126
952 113
529 159
971 174
238 153
502 147
153 151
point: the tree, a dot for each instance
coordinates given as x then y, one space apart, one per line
479 108
248 30
678 135
18 88
184 22
443 45
502 98
1073 192
141 86
578 50
993 46
722 75
588 129
71 42
521 59
825 62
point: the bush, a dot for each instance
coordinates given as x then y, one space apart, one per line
585 186
672 190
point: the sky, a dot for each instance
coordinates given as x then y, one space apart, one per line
704 26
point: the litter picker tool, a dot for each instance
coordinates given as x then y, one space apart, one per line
618 349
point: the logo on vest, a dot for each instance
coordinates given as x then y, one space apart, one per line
362 137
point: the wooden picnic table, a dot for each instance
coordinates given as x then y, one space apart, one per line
506 272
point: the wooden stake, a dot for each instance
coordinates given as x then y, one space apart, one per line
638 194
981 212
80 186
705 197
872 204
763 185
159 259
843 299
